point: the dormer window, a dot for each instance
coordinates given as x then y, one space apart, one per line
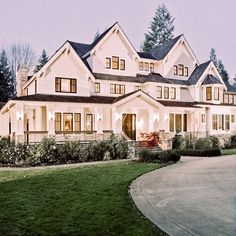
146 66
141 66
172 93
166 93
208 93
216 94
151 67
186 71
108 63
115 63
175 70
181 70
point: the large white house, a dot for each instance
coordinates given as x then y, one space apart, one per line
87 91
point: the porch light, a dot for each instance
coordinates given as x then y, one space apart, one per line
51 115
139 123
167 117
99 116
156 117
19 115
118 116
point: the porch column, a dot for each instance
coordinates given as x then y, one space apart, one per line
50 120
151 120
99 116
38 119
20 123
113 119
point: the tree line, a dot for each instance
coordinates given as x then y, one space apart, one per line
16 56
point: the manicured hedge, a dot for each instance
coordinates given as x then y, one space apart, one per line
210 152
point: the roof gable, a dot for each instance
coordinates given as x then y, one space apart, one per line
210 79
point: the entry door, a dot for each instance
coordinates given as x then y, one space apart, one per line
129 125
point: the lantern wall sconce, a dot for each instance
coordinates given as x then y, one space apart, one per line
19 115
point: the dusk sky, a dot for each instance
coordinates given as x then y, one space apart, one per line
47 24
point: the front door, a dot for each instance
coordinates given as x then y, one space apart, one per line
129 125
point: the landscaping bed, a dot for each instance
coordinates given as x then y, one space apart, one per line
80 201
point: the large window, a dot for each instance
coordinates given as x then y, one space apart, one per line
67 122
115 63
122 64
232 118
166 92
227 122
65 85
216 93
97 87
57 122
77 126
172 93
117 89
108 63
208 93
89 122
178 122
226 98
159 92
221 121
214 122
231 99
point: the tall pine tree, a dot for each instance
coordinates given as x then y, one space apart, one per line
43 58
219 65
161 29
6 79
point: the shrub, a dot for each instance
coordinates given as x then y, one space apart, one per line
169 156
107 156
233 141
215 141
200 152
178 141
203 143
147 155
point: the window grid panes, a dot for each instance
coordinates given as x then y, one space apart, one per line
208 93
97 87
172 93
159 92
115 63
166 92
122 64
108 63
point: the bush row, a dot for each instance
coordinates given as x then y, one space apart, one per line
147 155
210 152
47 152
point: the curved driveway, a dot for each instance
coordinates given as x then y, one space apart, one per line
195 197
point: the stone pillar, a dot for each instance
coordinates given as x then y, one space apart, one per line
21 80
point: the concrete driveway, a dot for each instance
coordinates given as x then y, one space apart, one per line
195 197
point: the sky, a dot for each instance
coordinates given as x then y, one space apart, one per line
47 24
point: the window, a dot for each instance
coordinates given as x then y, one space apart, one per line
67 122
216 94
208 93
136 88
227 122
232 118
146 66
175 70
226 98
115 63
181 70
97 87
214 122
172 127
122 64
89 122
77 122
159 92
166 92
203 118
185 123
108 63
141 66
66 85
178 122
231 99
35 86
185 71
221 122
172 93
57 122
117 89
152 67
234 99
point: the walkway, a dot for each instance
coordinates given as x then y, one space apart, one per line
195 197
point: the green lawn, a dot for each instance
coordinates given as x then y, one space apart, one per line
228 151
73 201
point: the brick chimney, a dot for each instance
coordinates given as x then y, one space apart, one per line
21 80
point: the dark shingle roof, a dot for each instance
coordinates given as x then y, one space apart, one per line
197 73
66 98
2 104
177 103
210 79
161 51
146 55
230 88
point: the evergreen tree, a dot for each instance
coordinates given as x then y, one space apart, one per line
6 79
96 35
219 65
161 29
43 58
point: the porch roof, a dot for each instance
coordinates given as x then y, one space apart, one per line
178 104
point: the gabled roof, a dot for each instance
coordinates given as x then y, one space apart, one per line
210 79
146 55
230 88
161 51
197 73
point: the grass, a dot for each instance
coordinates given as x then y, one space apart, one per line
228 151
74 201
